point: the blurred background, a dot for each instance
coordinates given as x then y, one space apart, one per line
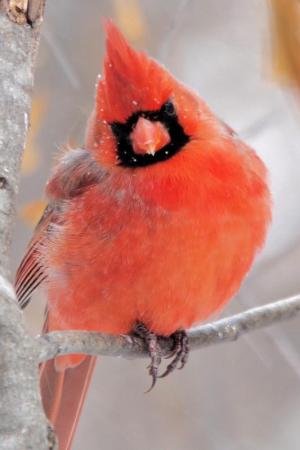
243 59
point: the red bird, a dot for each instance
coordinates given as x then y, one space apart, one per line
150 227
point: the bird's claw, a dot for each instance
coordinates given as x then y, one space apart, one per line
154 351
179 352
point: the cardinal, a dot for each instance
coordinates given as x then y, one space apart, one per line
150 227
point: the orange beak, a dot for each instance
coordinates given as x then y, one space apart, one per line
149 137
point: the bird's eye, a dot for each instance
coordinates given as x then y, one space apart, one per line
169 109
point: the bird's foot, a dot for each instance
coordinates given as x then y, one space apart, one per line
179 352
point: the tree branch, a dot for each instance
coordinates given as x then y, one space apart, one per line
224 330
22 421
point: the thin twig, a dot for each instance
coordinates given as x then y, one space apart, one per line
224 330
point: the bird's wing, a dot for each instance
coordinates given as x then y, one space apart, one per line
31 273
76 171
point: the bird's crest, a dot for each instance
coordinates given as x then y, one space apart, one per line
131 80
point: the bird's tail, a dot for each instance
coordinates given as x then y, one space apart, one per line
64 382
63 393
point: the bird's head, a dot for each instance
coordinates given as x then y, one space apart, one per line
143 115
146 119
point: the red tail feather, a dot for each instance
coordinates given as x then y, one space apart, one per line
63 394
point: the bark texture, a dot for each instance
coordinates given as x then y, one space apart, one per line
22 421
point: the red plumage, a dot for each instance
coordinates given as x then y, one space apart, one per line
163 241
